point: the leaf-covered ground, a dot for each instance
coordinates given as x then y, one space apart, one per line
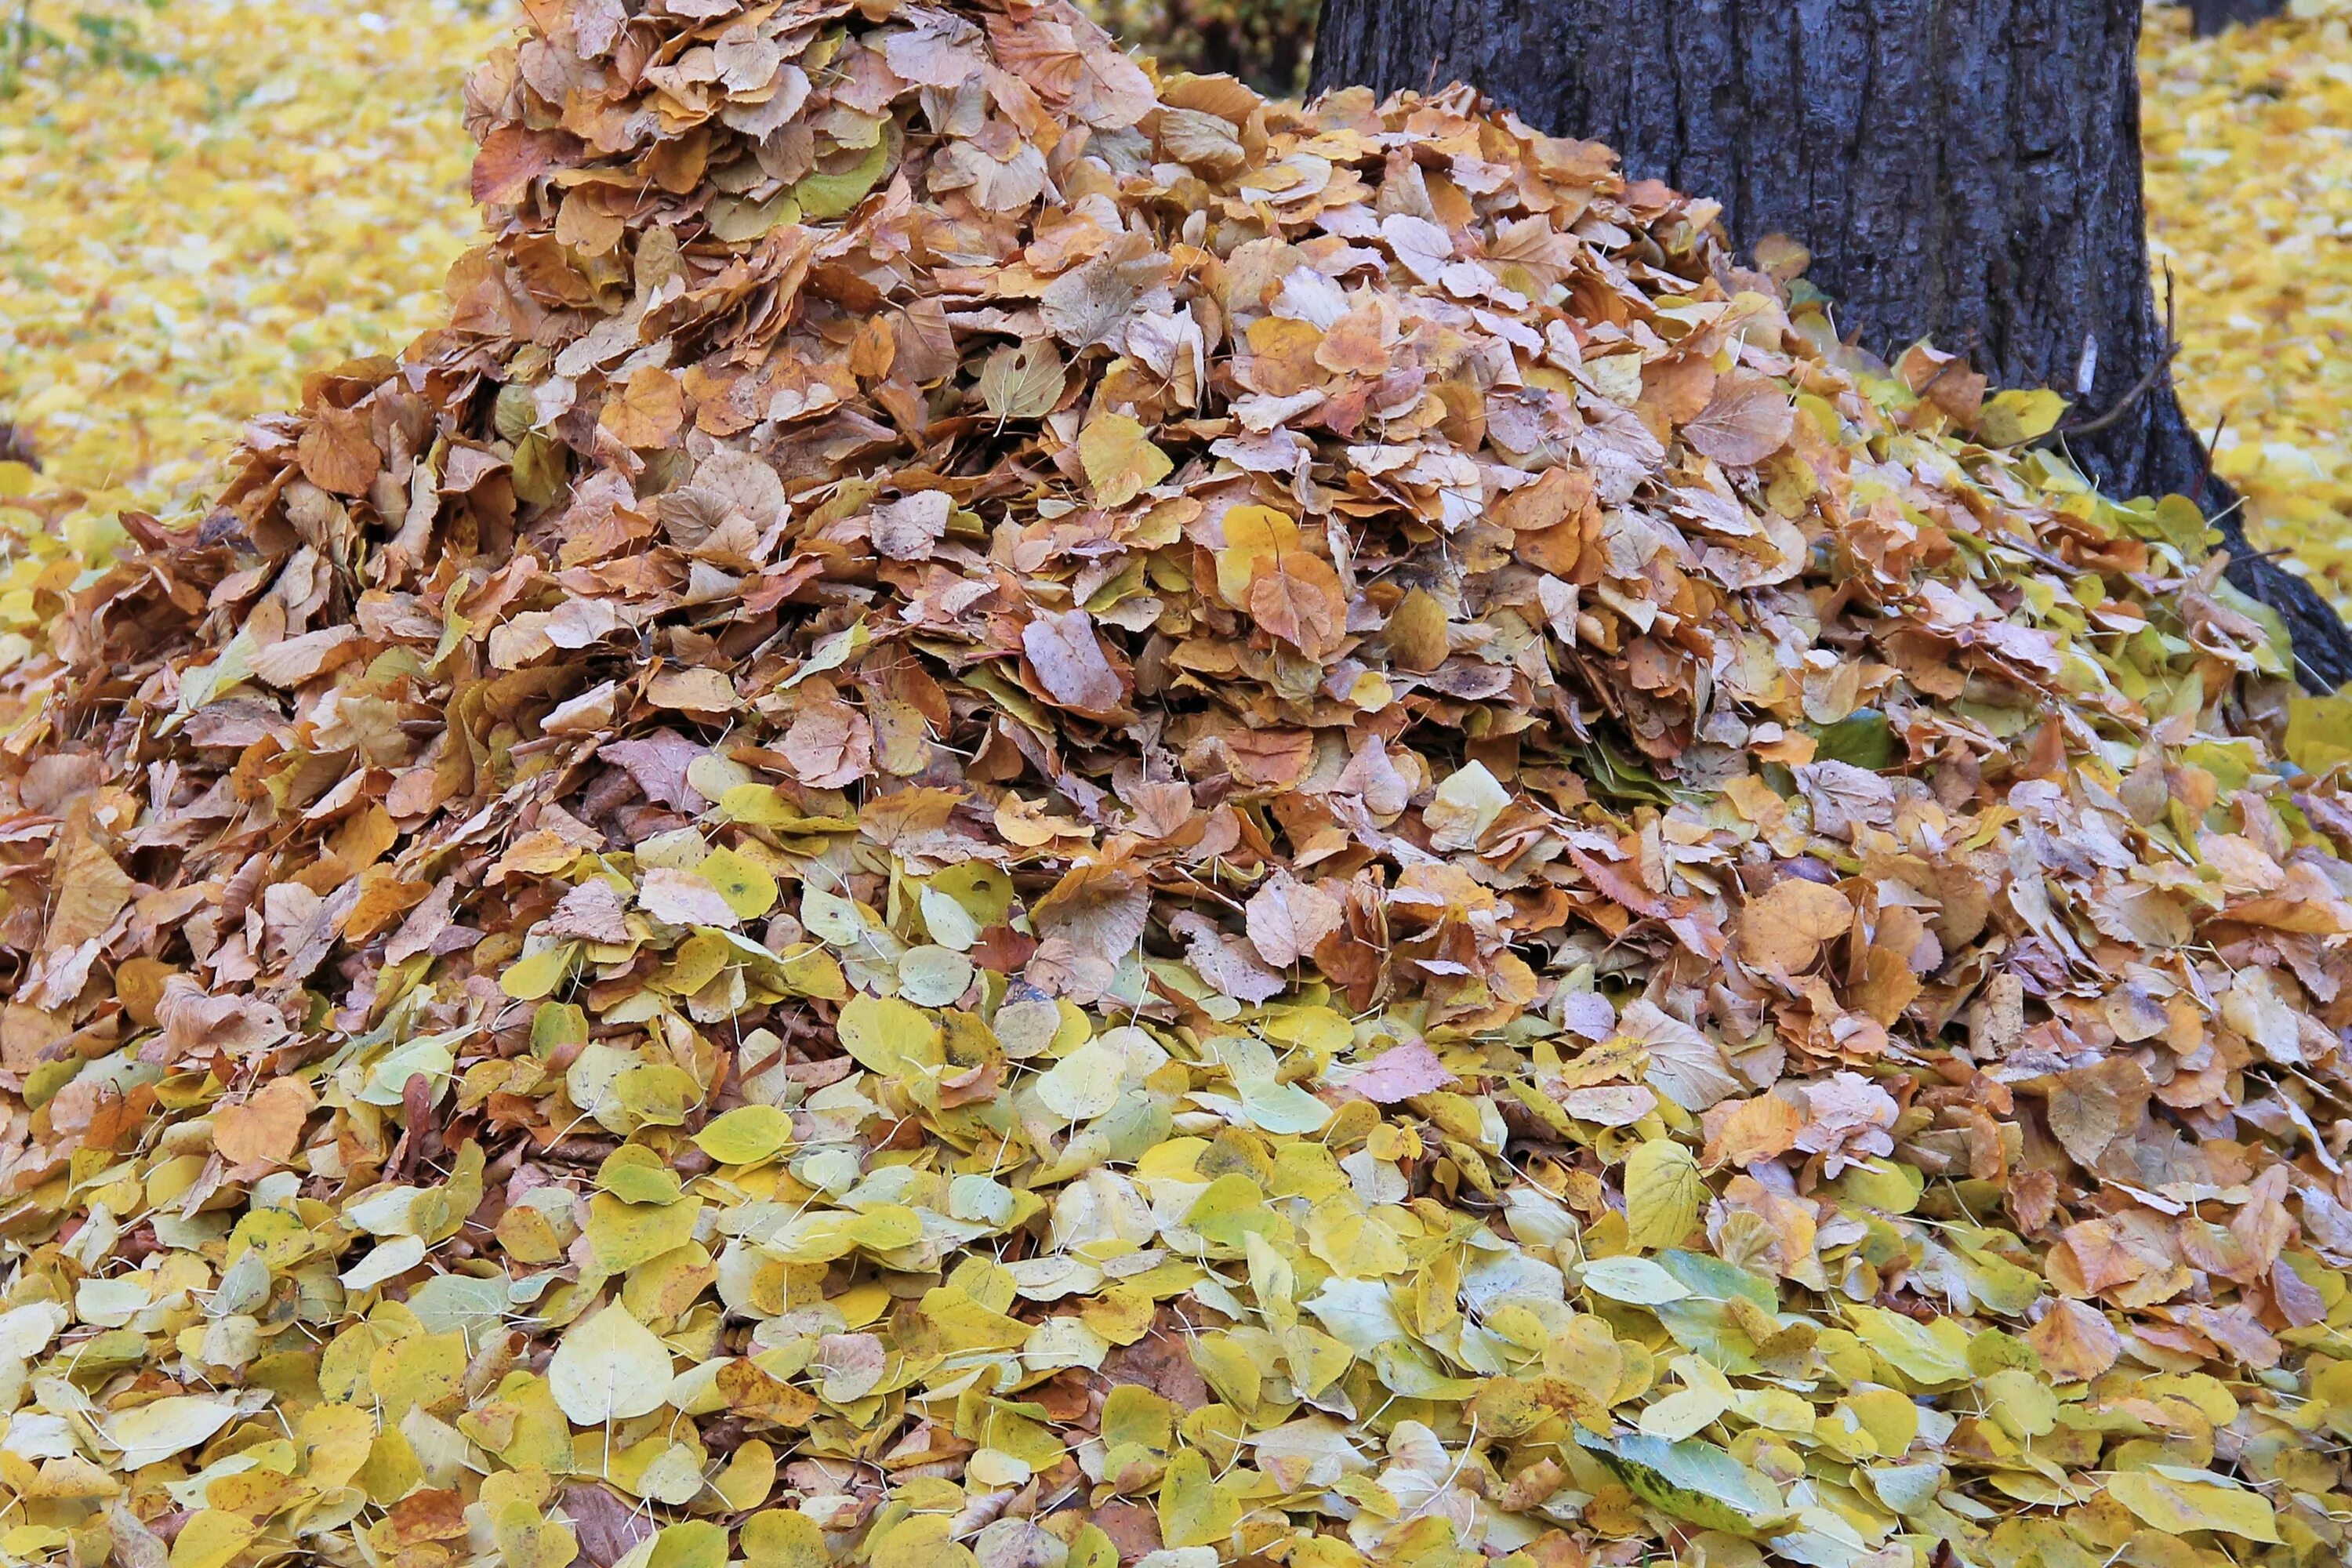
2249 139
245 190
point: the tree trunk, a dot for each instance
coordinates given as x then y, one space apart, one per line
2211 16
1964 170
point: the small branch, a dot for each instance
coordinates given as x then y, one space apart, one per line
2146 384
2165 350
2205 471
2138 390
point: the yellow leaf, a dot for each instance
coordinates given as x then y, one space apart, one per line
528 1539
750 891
625 1234
2018 414
1194 1509
2318 733
1121 461
539 975
211 1540
1253 534
691 1544
609 1368
890 1036
745 1135
1664 1193
2177 1507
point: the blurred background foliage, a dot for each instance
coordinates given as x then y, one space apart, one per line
1270 44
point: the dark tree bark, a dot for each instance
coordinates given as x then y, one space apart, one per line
1963 170
2211 16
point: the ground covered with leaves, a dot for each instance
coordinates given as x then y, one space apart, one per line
2249 143
1019 814
206 201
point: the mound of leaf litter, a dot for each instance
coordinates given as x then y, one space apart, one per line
1023 816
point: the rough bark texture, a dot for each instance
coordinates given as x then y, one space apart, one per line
1964 170
2211 16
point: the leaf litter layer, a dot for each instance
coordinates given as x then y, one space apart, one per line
2249 143
1017 814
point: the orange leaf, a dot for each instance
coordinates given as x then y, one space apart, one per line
1297 597
338 454
649 411
265 1129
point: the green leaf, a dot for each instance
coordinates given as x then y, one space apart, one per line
1691 1479
824 196
1864 739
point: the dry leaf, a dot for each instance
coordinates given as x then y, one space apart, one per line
266 1128
1287 918
1747 420
1784 929
1069 661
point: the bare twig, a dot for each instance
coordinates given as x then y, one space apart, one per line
2157 372
2138 390
2205 469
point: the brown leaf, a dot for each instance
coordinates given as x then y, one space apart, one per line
658 762
1133 1529
2075 1341
830 745
1286 917
1296 596
906 530
424 924
289 663
511 157
607 1528
2262 1226
590 912
1782 931
1748 418
338 453
2091 1107
647 412
1070 663
91 890
1739 1133
681 897
1224 962
1399 1073
1099 909
195 1023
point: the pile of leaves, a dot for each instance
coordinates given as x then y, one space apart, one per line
2249 143
1024 816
